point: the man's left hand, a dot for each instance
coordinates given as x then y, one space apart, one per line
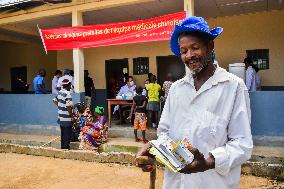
199 163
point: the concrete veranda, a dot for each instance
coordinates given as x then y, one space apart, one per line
37 140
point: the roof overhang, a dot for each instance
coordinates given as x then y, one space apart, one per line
24 22
11 3
14 4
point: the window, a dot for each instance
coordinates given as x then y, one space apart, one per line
260 58
140 65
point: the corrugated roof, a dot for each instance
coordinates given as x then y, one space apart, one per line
7 3
26 3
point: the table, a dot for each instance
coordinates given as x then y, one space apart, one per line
119 102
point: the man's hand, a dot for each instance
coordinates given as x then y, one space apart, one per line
199 163
145 160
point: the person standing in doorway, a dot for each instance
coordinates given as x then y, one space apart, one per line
57 75
153 106
65 113
89 89
250 75
39 85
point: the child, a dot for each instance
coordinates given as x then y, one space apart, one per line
65 115
153 105
140 120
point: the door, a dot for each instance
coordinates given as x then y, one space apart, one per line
115 70
19 79
169 64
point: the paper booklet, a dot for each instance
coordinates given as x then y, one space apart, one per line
173 155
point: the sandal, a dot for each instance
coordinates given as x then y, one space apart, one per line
145 141
137 139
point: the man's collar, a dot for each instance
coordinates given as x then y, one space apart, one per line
219 76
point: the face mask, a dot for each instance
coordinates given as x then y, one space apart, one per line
131 83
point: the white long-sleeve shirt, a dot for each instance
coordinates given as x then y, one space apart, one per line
251 79
127 91
54 85
215 119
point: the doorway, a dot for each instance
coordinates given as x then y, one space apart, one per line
19 79
115 70
169 64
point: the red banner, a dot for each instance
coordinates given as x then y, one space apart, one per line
154 29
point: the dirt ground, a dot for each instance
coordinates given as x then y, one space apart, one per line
31 172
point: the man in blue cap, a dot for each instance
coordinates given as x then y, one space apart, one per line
211 108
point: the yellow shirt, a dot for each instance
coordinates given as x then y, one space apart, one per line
153 92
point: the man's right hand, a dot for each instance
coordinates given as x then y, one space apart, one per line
145 160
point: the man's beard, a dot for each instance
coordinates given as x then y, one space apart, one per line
204 64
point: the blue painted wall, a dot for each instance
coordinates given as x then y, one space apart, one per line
29 109
18 110
267 113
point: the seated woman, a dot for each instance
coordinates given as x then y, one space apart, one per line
93 133
100 121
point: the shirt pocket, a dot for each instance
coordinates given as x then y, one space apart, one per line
212 129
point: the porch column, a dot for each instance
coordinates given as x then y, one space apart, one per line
188 7
78 57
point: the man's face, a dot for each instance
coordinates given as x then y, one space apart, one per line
43 73
130 82
195 54
154 79
68 88
247 65
86 74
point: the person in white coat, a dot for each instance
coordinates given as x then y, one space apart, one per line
251 80
211 108
55 79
